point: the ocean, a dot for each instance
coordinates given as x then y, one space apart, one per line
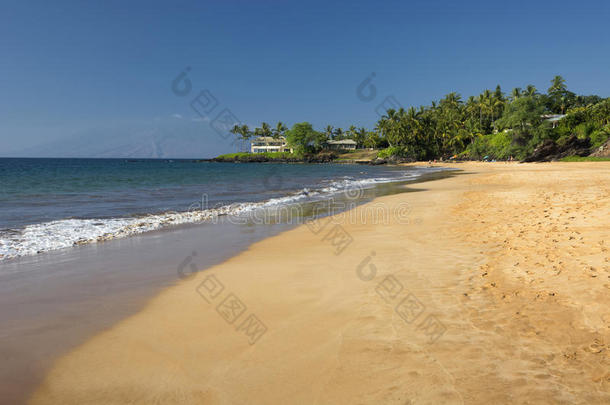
159 220
50 204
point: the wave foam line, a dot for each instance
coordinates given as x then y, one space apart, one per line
64 233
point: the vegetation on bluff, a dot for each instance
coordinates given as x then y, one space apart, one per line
492 125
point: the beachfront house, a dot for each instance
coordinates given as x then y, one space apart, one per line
263 144
343 144
553 118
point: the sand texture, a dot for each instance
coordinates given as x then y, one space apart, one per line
490 287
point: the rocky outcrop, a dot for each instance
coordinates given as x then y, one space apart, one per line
322 157
602 151
392 160
549 150
252 158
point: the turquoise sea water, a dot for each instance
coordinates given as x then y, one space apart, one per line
47 204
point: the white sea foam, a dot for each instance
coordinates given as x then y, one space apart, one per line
64 233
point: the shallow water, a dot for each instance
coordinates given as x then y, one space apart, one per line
50 204
53 301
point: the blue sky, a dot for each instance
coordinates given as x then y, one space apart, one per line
69 67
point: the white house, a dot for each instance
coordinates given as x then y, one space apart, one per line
553 118
269 144
343 144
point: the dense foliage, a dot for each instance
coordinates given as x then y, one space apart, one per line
495 125
491 125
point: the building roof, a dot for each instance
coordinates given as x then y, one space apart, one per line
268 139
343 142
553 117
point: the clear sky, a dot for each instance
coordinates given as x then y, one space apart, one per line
71 66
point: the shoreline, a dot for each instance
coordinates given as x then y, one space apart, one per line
330 337
30 239
54 301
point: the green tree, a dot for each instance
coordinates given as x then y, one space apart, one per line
373 140
499 102
558 86
388 127
243 132
279 130
338 134
498 94
329 132
521 113
304 139
360 136
449 121
472 109
559 98
515 94
351 132
531 90
235 130
264 130
601 112
523 117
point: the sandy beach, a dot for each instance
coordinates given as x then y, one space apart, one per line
492 286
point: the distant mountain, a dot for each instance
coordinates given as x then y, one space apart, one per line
175 139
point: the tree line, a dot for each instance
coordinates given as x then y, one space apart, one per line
491 124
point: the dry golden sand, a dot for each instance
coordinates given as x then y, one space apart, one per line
512 259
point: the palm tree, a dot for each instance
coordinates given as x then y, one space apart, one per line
235 130
481 103
558 93
338 134
458 140
558 85
387 126
473 131
266 129
351 132
492 105
360 136
472 110
516 93
498 93
372 140
488 103
245 133
449 120
328 131
414 130
531 90
452 100
279 130
499 102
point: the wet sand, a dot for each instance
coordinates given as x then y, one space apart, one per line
52 302
488 287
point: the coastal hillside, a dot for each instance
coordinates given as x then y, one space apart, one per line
492 125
